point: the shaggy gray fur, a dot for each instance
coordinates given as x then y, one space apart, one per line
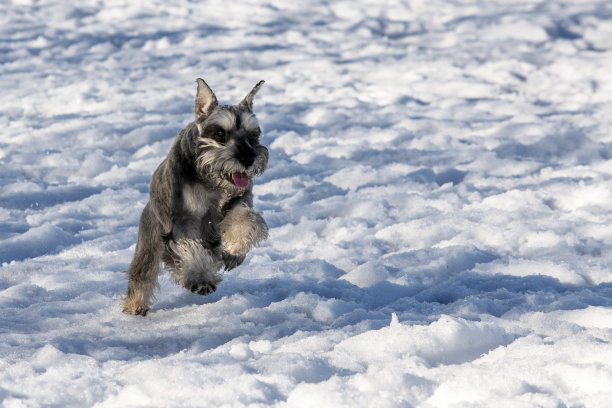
200 216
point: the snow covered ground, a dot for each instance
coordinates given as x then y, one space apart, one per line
439 197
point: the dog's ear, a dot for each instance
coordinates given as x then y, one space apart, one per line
205 102
247 102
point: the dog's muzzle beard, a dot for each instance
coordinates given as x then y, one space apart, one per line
226 165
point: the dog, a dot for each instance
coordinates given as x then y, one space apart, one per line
199 218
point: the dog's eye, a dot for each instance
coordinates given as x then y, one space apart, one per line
217 133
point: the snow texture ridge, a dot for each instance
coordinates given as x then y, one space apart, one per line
438 197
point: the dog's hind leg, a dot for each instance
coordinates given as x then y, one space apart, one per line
194 266
193 254
145 267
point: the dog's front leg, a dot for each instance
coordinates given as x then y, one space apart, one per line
241 229
146 265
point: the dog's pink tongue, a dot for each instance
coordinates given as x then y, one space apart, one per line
240 179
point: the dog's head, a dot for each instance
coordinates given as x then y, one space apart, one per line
229 151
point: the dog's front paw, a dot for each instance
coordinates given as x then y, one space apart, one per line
203 288
136 301
141 311
231 261
138 311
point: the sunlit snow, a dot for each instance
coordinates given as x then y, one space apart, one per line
438 196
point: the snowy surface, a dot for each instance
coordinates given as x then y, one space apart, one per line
439 197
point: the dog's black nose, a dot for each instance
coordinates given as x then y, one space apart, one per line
246 153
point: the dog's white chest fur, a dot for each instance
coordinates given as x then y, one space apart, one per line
196 199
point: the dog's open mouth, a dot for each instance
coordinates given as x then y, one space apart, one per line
240 179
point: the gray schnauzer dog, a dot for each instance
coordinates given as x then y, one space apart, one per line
200 218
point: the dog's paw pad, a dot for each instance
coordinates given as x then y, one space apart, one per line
203 288
232 261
